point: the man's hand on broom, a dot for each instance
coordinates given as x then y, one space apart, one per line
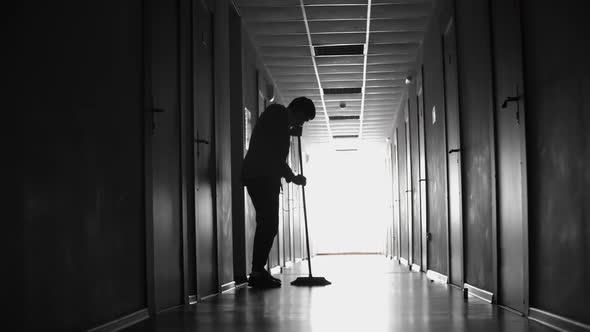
299 180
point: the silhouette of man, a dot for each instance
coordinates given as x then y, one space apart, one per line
264 166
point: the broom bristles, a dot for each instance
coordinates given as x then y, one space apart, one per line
310 281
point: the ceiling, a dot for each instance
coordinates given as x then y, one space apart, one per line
383 34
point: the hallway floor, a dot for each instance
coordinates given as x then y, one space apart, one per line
369 293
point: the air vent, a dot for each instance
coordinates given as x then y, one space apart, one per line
341 91
345 136
339 50
346 150
344 117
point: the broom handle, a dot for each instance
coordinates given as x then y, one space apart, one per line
304 209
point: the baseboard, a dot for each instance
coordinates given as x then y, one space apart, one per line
416 268
403 261
555 321
241 284
514 311
205 298
123 322
457 287
165 310
479 293
438 277
226 287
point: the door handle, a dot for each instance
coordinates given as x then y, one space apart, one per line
510 99
201 141
454 150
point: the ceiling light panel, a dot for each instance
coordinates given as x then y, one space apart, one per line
341 91
334 50
343 117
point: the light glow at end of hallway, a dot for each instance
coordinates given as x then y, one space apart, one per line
347 198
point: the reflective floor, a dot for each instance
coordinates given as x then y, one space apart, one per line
369 293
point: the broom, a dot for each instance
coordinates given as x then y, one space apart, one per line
310 280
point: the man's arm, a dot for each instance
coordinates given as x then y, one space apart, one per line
287 173
299 180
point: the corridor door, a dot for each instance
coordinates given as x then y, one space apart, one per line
454 156
165 154
204 154
510 155
396 196
409 189
422 173
404 216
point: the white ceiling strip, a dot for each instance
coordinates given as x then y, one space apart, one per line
365 68
315 66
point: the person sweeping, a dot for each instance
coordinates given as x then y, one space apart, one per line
264 165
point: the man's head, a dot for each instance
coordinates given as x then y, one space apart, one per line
302 109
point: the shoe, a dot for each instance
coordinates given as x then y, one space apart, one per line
262 280
273 278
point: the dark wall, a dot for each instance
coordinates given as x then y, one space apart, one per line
557 88
475 102
82 191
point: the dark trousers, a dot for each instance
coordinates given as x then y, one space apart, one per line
265 197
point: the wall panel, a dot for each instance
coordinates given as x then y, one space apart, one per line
557 89
82 190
